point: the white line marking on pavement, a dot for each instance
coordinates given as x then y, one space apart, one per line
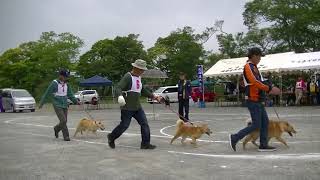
48 126
201 140
164 135
224 132
245 115
304 156
79 140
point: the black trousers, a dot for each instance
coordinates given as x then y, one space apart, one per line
184 105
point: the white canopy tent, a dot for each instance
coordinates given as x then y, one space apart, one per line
281 63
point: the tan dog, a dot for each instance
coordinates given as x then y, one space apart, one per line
86 124
185 130
275 130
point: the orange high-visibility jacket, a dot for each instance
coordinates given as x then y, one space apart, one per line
253 81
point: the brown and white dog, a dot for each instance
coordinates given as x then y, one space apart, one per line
193 131
275 130
88 125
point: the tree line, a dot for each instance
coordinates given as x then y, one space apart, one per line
273 25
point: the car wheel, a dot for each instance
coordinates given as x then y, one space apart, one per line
20 110
33 110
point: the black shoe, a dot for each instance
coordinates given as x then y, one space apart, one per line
147 146
232 142
266 149
66 139
56 133
111 142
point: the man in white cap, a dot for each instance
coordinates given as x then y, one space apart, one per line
130 87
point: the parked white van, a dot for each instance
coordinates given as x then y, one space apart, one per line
17 100
170 91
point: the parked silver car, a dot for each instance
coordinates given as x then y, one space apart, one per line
17 100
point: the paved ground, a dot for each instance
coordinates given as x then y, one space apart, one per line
29 151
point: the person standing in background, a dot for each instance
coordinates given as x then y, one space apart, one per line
184 94
300 89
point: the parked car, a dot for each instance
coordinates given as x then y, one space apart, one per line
86 96
17 100
170 91
196 94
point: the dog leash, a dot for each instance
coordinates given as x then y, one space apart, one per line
84 109
183 118
276 112
274 109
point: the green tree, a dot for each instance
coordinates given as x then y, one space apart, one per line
295 22
31 65
233 46
111 58
180 51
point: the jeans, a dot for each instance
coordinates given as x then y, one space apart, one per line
260 121
126 116
184 104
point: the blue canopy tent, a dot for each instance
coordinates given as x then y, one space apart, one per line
95 81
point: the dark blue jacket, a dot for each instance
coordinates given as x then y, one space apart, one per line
188 89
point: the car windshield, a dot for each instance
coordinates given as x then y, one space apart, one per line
160 90
21 93
77 93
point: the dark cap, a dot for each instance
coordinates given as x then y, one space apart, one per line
64 72
254 51
182 73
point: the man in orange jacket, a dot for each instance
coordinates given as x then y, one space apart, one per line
255 94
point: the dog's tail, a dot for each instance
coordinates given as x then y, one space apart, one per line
179 123
248 122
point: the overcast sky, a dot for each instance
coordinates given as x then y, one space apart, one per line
93 20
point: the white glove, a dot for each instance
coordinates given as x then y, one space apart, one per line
121 101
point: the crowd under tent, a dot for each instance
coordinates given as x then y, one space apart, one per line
281 63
